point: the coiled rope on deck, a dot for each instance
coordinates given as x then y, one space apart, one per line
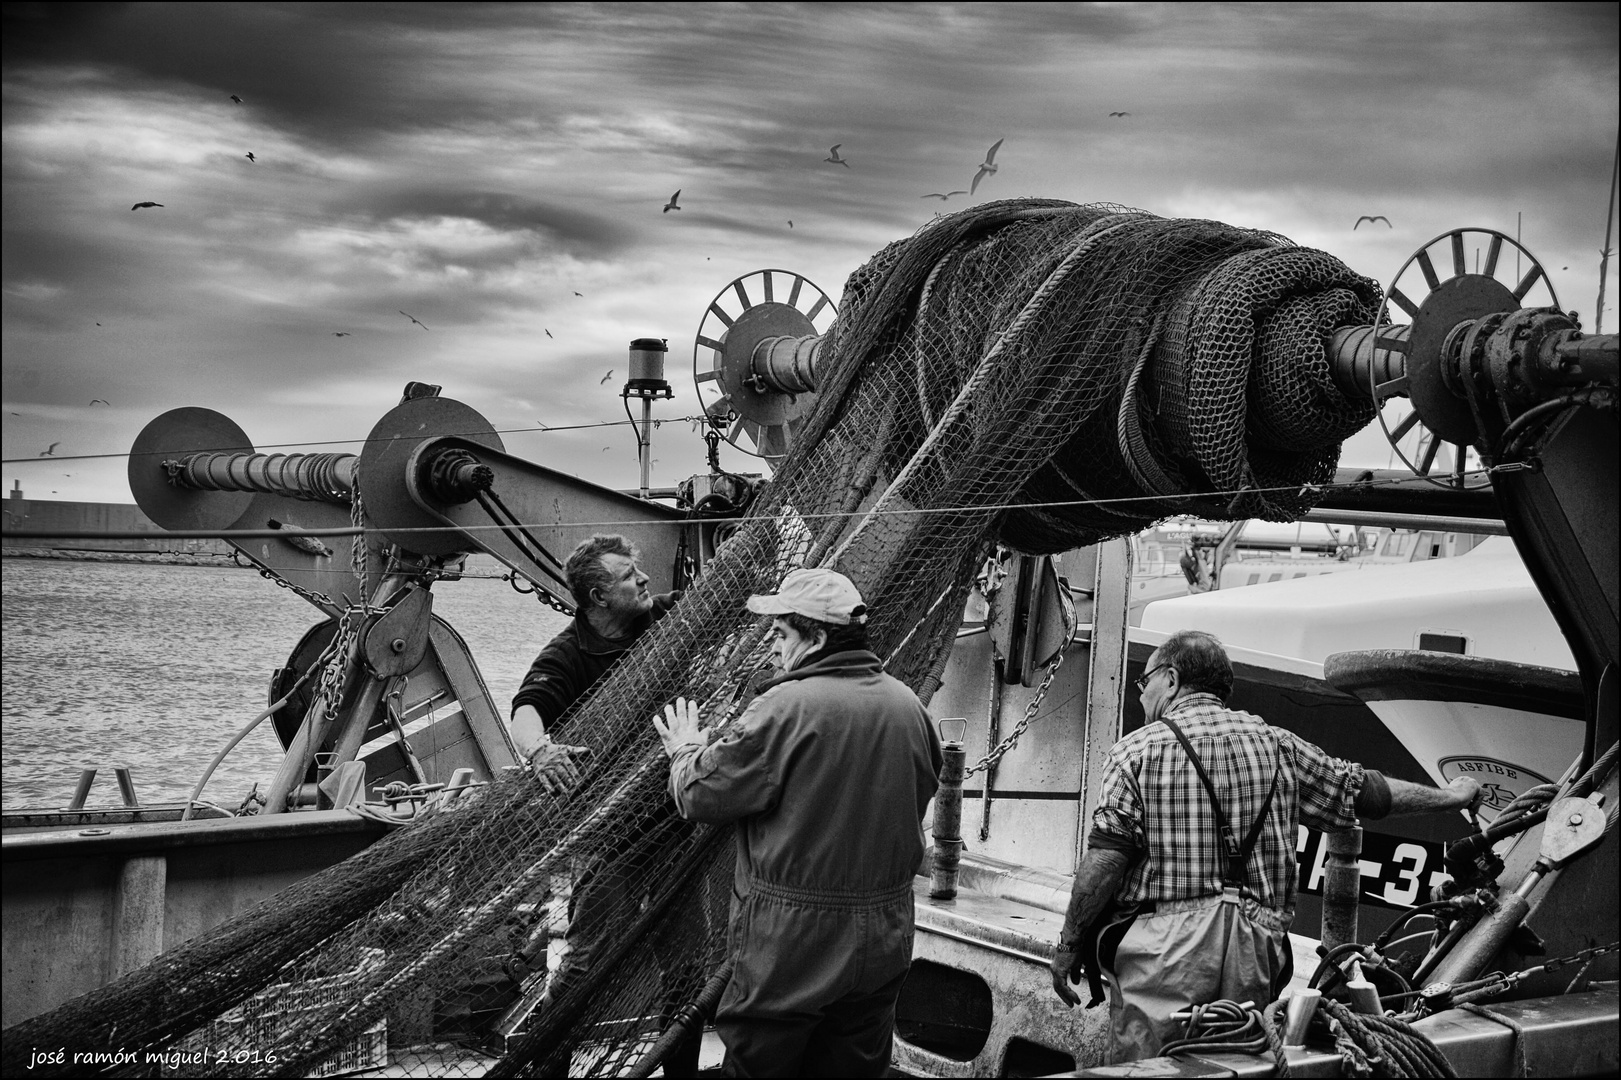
1382 1045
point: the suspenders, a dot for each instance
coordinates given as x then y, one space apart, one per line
1238 855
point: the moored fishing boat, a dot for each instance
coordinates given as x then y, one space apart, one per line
383 694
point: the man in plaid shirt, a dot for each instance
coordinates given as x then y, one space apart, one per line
1181 935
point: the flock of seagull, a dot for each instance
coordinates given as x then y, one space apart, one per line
985 169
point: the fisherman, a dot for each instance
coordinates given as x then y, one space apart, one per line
1167 901
826 773
613 610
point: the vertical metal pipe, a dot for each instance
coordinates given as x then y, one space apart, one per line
1106 680
948 822
1342 887
126 786
993 735
647 443
82 791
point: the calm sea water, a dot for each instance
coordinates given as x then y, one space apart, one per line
156 667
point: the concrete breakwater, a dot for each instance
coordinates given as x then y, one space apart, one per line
170 557
26 518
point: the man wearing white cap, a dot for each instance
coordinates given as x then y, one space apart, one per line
827 774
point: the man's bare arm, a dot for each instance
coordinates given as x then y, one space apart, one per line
554 764
528 731
1407 798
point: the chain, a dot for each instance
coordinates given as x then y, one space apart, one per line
330 688
1441 995
359 554
1029 711
1585 954
319 599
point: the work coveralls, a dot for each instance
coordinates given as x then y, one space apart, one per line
827 774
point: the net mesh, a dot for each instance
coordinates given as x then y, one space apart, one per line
1030 372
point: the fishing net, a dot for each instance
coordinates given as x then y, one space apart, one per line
1032 373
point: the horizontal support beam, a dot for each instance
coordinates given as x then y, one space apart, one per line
1436 522
135 839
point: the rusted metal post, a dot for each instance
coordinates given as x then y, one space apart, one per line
948 813
1342 886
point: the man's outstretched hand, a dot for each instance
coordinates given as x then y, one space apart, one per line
679 726
557 767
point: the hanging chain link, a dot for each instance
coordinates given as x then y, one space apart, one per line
319 599
360 553
330 688
1012 740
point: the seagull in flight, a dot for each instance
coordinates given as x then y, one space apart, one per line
413 318
340 333
581 294
671 205
606 377
250 157
1370 219
833 156
548 333
50 451
986 167
790 223
101 401
1118 115
145 205
236 99
941 197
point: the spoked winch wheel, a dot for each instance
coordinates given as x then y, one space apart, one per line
1490 273
757 419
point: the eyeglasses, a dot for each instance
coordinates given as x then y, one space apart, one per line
1142 680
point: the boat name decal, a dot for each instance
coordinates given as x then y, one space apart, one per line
1500 781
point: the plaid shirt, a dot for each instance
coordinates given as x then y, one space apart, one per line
1152 801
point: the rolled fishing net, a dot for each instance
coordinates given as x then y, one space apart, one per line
1032 373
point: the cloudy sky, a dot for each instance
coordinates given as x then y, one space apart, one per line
477 166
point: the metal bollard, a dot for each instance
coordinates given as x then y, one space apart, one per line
1342 887
126 786
87 777
948 813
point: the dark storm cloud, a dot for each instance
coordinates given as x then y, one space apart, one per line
478 164
541 221
301 64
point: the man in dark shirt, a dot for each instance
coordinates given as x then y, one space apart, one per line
613 610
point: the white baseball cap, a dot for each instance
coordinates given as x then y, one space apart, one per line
824 595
